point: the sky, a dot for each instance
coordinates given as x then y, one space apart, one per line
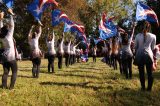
134 1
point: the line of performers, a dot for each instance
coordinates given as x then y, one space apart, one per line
127 49
9 53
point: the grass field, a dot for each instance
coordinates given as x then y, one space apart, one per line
84 84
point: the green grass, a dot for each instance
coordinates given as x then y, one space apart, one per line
84 84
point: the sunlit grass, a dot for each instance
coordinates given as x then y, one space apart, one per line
81 84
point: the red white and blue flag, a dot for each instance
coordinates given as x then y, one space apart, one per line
106 28
144 12
37 7
79 31
73 27
58 16
42 2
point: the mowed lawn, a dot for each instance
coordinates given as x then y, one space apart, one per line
83 84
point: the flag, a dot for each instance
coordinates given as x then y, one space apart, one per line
84 58
75 28
107 29
7 3
36 9
58 16
42 2
96 41
144 12
78 30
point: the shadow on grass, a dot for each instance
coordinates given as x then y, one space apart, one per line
90 68
22 76
80 71
82 85
156 75
76 75
24 69
130 97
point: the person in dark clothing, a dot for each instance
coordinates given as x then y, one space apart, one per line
67 53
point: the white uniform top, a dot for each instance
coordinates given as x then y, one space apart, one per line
50 45
74 50
34 44
60 47
8 44
68 47
144 44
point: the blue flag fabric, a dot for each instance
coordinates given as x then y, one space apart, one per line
84 58
8 3
36 10
144 12
58 16
96 41
107 29
78 31
73 27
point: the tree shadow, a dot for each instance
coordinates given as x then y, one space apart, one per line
156 75
90 68
80 71
22 76
82 85
130 97
76 75
21 69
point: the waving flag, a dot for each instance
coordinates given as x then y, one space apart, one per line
58 16
73 27
84 58
79 30
42 2
144 12
96 41
36 10
107 29
7 3
37 7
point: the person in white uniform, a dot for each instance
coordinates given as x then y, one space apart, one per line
144 45
60 51
36 54
51 51
10 52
